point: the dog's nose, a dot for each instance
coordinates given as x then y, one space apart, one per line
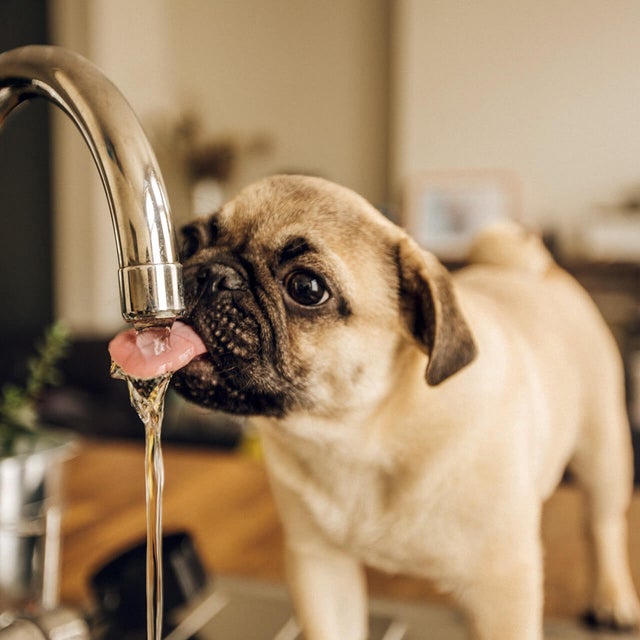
220 277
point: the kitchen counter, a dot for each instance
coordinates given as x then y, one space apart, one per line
223 500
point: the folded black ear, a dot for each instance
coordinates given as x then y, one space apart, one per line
201 233
431 312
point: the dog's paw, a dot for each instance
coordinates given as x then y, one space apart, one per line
608 619
614 607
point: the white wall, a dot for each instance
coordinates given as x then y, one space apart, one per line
547 88
311 75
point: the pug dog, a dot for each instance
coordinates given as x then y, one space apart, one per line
412 420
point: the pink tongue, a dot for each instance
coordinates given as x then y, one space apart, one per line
153 352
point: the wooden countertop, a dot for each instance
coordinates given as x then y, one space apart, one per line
223 500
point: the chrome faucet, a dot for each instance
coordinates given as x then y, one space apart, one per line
150 276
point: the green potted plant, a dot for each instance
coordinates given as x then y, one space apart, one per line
31 457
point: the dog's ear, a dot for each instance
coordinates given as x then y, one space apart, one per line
197 235
431 312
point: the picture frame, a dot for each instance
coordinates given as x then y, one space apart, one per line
444 210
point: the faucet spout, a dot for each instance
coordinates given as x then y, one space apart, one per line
150 275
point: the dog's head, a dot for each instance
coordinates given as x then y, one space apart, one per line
305 297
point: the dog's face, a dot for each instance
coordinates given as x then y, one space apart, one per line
305 297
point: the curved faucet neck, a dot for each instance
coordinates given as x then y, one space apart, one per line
150 274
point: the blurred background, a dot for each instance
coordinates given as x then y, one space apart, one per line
428 108
445 114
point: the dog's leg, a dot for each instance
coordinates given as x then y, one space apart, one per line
327 585
614 604
603 467
503 599
329 594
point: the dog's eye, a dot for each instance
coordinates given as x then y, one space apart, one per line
306 288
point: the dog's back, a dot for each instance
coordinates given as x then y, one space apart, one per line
513 267
514 286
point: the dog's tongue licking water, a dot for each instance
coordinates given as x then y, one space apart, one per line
155 351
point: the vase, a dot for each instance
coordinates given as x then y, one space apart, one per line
30 521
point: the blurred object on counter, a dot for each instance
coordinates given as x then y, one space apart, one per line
58 624
203 168
120 587
611 233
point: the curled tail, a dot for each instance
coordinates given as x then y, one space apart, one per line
507 244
